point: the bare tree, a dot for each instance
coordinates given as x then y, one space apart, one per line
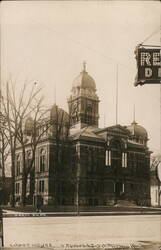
4 147
4 153
155 160
16 109
62 123
29 137
26 125
10 116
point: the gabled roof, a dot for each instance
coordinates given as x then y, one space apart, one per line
116 129
87 133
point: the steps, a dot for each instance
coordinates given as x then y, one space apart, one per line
125 203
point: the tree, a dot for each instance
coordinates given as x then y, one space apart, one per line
10 118
155 161
62 122
4 153
17 108
27 124
4 146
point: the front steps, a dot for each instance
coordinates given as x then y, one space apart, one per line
125 203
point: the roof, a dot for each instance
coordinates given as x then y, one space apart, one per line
116 130
84 81
58 114
137 144
87 132
137 130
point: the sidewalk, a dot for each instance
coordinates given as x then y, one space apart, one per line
9 213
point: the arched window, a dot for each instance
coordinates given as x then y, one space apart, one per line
42 160
108 157
18 165
89 160
29 157
41 186
17 188
116 154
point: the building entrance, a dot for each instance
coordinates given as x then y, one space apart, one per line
119 189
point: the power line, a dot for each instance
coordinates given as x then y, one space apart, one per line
152 34
80 43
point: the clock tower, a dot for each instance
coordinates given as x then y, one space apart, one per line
83 101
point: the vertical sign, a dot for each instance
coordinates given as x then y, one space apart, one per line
148 65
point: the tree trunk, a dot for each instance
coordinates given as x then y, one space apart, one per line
78 180
13 180
24 187
3 178
24 176
77 197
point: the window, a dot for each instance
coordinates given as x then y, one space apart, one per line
18 165
116 154
90 160
42 160
17 188
156 195
124 160
28 158
41 186
108 158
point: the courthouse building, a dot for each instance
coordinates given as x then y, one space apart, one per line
76 158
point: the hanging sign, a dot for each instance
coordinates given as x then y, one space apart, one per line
148 65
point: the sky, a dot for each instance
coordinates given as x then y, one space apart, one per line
47 41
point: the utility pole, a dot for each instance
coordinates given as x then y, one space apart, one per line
1 172
159 181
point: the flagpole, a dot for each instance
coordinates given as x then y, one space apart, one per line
55 93
117 94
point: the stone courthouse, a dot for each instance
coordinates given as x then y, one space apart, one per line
77 160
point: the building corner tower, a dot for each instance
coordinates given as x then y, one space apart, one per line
83 102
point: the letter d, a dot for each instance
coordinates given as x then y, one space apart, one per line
148 72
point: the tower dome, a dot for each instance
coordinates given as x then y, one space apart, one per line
58 115
60 122
84 81
137 130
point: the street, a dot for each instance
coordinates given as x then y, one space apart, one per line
60 231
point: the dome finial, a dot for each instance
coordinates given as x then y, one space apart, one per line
84 66
134 121
55 93
134 112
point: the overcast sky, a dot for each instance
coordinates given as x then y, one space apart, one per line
47 42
